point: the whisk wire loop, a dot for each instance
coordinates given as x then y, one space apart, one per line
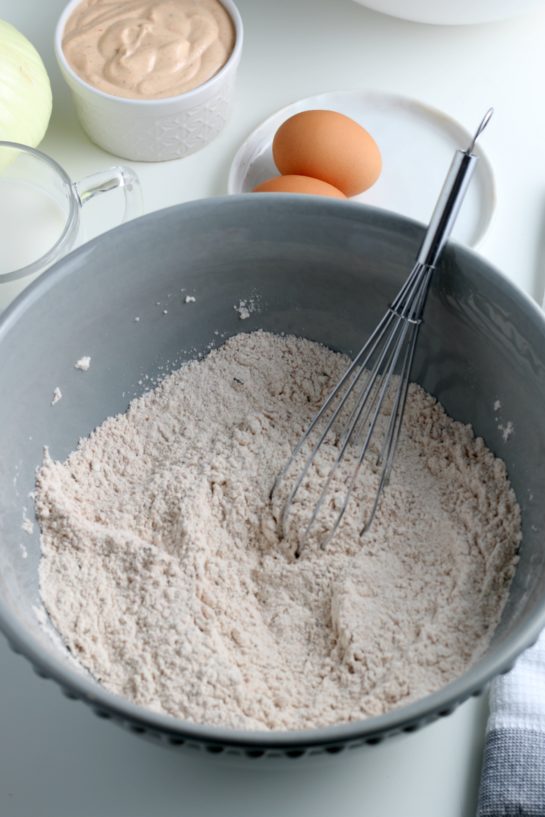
360 361
366 412
381 367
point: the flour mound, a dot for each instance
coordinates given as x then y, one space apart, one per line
163 572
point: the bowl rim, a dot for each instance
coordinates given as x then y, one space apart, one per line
193 95
373 729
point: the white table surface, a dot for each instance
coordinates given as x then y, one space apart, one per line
56 758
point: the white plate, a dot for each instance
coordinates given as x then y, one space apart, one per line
417 143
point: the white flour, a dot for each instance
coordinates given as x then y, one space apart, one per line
164 575
246 307
83 363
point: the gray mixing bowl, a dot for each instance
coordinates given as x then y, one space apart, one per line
319 268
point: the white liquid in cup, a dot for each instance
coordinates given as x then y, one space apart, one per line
31 222
40 211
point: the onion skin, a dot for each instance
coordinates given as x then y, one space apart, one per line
25 90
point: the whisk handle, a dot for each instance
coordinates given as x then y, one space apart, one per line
450 199
447 207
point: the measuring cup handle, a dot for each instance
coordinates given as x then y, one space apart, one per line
113 178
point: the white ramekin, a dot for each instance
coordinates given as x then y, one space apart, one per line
154 130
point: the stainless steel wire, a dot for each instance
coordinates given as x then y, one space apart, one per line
378 376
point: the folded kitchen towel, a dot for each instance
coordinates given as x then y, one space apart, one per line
513 776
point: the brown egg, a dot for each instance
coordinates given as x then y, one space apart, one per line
298 184
330 146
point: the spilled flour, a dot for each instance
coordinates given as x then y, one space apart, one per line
163 572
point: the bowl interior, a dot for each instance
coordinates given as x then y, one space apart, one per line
321 269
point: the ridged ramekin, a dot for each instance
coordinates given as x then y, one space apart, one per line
154 130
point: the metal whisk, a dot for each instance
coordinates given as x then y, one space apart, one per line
377 378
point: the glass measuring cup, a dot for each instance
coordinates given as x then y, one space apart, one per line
40 208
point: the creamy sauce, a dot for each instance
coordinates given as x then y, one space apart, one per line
148 49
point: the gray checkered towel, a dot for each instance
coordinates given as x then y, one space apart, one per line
513 778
